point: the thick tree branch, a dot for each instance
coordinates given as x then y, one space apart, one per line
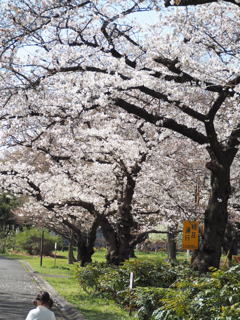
158 95
195 2
234 139
161 121
209 125
217 105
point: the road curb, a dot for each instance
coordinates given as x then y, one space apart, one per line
67 309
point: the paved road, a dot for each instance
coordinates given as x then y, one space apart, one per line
17 291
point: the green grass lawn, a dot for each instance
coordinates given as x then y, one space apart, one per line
92 307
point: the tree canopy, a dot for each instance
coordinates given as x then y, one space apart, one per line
69 64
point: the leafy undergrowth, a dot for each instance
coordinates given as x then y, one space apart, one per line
167 293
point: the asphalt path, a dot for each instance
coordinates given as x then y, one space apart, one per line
17 291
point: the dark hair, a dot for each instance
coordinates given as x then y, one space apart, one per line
44 298
50 303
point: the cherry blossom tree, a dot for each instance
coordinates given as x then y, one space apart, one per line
63 59
86 184
78 227
27 173
121 205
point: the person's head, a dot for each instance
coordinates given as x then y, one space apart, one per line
43 299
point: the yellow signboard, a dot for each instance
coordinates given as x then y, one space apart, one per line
190 235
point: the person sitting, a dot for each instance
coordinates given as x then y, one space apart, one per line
43 303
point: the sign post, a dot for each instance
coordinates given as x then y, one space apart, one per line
190 235
41 248
131 283
55 248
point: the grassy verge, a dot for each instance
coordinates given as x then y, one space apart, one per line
92 307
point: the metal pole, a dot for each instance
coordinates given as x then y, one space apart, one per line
41 248
55 253
131 284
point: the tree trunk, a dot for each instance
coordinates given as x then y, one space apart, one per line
85 245
216 216
120 237
84 240
230 243
172 247
120 243
112 244
119 247
132 252
118 251
71 258
84 253
124 251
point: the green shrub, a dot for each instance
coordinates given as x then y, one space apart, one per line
113 283
162 292
89 276
213 296
29 240
148 273
7 242
105 278
146 300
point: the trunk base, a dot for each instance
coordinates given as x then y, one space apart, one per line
202 261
